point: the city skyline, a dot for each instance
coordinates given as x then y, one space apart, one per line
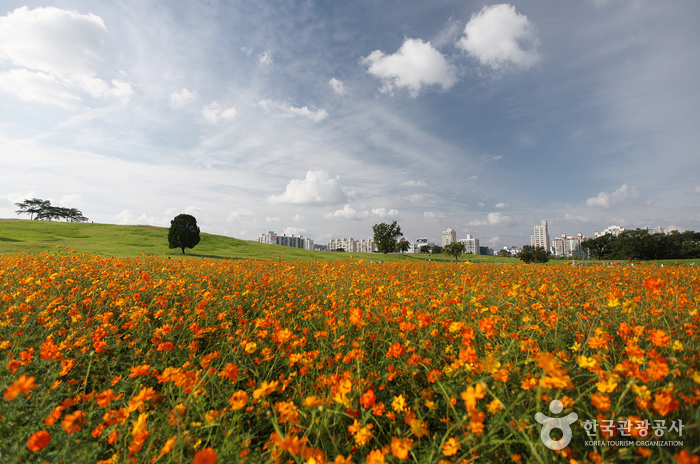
322 119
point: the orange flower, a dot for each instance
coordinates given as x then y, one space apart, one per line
664 403
265 389
73 422
659 338
38 441
368 399
22 385
401 447
450 447
205 456
137 371
238 400
104 398
685 457
600 402
395 350
658 369
169 445
375 457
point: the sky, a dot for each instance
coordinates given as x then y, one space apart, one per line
323 118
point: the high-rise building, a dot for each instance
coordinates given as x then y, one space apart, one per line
283 240
471 245
541 236
351 245
569 246
449 236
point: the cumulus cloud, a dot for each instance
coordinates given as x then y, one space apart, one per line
181 98
213 113
624 195
414 66
501 205
414 183
318 188
55 52
286 110
273 219
125 217
492 219
338 86
297 218
500 37
493 240
349 213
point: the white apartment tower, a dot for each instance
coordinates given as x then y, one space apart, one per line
449 236
541 236
471 244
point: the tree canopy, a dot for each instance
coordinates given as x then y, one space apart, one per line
403 245
640 244
531 254
183 232
45 212
386 235
455 249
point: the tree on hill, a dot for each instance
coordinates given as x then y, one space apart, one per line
183 232
455 249
45 212
386 235
504 253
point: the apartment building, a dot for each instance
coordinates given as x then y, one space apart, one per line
541 236
449 236
471 245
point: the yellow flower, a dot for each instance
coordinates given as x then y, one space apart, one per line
399 403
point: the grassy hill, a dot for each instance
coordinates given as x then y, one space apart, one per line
17 235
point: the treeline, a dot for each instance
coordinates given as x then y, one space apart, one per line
45 212
639 244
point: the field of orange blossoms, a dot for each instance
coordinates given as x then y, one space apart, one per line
201 361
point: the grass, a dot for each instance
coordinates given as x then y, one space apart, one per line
17 235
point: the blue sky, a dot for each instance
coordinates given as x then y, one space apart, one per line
324 118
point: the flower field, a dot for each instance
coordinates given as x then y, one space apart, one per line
192 360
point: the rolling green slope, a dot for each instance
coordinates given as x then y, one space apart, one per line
17 235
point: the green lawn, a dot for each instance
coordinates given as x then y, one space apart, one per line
18 235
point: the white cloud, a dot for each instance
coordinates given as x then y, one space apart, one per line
125 217
348 213
414 183
624 195
481 204
265 59
287 110
472 177
70 201
415 65
498 36
273 219
181 98
493 240
239 214
293 231
696 189
39 87
432 216
338 86
297 218
382 213
213 113
578 219
492 219
318 188
61 48
501 205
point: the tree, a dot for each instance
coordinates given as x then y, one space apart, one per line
32 207
403 246
45 212
532 254
504 253
455 249
385 236
437 249
425 249
183 232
